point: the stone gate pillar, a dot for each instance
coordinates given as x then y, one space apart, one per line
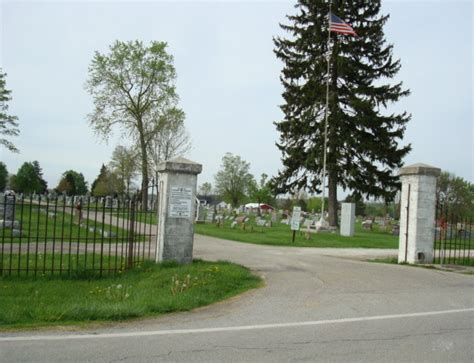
417 213
177 193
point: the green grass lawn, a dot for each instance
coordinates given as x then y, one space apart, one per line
142 217
72 264
148 290
58 224
281 235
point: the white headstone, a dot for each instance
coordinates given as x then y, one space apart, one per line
347 219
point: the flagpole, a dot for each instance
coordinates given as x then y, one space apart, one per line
328 57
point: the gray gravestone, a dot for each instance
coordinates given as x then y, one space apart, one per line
9 216
274 217
261 223
9 207
347 219
307 223
108 201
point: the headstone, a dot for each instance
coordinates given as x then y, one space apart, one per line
175 235
241 220
347 219
274 217
396 230
108 201
9 215
10 224
307 223
367 224
9 207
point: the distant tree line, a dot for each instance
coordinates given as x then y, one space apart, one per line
235 184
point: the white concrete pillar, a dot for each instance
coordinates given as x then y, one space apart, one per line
347 219
177 193
417 213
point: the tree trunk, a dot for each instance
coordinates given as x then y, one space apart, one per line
332 203
144 196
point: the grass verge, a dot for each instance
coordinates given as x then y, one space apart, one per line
148 290
463 266
73 265
281 235
459 262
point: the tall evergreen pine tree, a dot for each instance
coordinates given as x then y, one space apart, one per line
363 139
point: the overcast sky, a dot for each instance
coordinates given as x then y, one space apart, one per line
228 78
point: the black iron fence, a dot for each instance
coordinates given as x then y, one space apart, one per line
55 235
453 238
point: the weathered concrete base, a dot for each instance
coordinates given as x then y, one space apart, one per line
417 213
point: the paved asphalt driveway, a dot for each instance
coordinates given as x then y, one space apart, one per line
317 305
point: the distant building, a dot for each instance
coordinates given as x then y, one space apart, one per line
253 207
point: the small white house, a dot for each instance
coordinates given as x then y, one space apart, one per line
252 207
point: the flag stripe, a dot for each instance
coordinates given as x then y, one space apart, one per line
337 25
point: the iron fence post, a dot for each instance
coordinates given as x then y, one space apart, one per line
131 233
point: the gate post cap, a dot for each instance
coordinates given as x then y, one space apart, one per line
420 169
180 165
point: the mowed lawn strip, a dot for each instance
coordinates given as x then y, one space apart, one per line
281 235
148 290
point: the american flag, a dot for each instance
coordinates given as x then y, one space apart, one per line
336 25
